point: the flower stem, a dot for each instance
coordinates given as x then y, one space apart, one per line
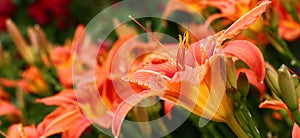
236 127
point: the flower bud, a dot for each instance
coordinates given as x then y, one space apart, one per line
243 85
287 88
272 81
298 91
295 80
20 42
231 74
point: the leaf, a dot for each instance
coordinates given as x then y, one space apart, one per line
249 53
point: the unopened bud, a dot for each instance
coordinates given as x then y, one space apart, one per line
295 80
287 88
272 81
231 74
243 85
20 42
298 91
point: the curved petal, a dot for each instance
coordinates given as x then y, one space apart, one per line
273 104
168 106
248 53
126 106
63 120
64 98
296 131
27 131
8 108
7 82
245 21
157 67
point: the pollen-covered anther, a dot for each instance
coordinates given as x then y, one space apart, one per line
159 60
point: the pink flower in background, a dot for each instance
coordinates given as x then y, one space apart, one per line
7 8
44 11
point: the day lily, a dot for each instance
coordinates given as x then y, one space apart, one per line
194 78
288 27
98 105
229 9
61 58
67 118
33 82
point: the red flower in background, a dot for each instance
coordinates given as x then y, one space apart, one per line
7 7
43 11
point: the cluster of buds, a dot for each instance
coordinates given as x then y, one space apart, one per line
237 88
285 86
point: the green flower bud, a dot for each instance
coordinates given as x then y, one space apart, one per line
298 91
272 81
243 85
295 80
231 74
287 88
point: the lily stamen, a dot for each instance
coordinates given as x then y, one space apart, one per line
182 51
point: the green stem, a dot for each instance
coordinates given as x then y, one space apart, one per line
251 124
281 46
235 127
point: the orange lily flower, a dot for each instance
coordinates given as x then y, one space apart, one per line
67 118
289 29
61 58
196 74
33 82
229 9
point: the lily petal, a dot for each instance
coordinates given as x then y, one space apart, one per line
8 108
168 106
245 21
273 104
248 53
64 98
296 131
63 120
142 77
18 131
126 106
